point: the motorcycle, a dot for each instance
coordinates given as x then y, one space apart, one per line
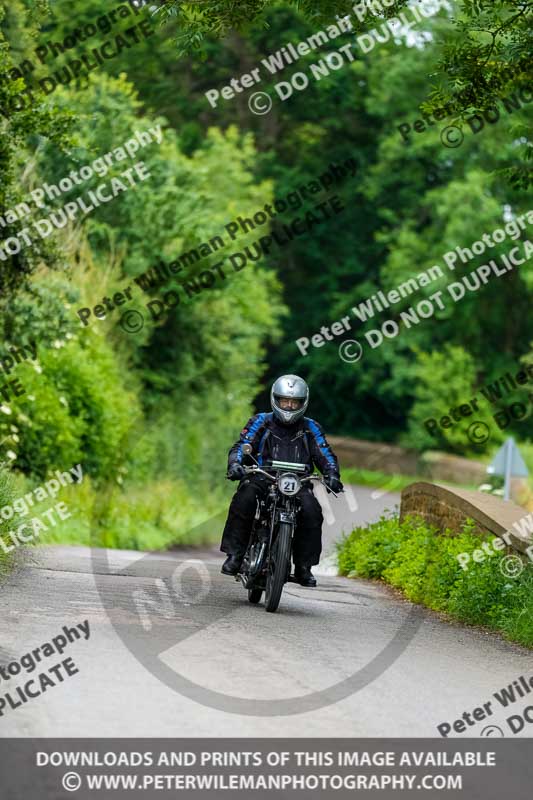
267 561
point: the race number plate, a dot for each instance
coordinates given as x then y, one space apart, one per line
289 484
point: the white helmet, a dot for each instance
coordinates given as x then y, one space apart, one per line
289 387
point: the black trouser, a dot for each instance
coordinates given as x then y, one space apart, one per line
307 542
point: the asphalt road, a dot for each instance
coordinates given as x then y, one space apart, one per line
176 650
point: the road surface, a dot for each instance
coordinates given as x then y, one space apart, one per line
322 666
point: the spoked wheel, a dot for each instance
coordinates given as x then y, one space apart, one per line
254 595
278 569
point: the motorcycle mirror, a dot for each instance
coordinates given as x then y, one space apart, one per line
247 450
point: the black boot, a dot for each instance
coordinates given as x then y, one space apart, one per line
231 565
304 576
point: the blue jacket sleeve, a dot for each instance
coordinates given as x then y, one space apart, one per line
250 434
321 452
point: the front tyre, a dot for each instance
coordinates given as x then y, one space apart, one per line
278 568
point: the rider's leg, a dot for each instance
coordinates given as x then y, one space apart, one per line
240 518
307 544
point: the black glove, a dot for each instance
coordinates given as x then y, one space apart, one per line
333 483
236 472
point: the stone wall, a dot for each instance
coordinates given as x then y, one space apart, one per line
390 459
448 508
386 458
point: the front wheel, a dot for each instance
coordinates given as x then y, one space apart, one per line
278 567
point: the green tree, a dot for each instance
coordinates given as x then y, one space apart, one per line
445 380
23 125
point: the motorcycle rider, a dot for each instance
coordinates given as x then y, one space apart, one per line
283 435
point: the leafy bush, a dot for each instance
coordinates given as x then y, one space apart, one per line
413 557
369 555
41 312
7 495
75 408
48 437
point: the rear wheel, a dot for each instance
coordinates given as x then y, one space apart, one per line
254 595
278 569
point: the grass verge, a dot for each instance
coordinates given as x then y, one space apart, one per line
156 515
393 482
422 563
376 480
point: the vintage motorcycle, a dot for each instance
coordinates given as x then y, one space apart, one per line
267 561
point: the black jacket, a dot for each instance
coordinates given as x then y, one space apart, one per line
301 443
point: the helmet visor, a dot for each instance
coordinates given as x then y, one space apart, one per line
289 403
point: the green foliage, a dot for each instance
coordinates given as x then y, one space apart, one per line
444 380
407 205
200 18
123 405
368 556
47 435
22 123
423 564
41 312
8 493
150 516
490 49
381 481
486 49
76 407
384 482
160 409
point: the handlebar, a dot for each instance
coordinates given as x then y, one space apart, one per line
259 469
273 479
